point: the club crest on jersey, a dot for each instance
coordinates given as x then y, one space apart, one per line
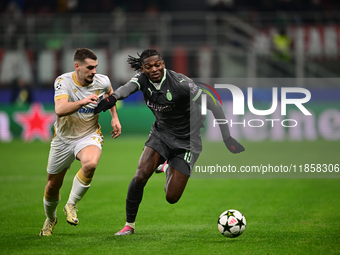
97 92
75 91
169 95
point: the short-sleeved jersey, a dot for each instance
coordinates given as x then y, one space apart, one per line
83 122
172 103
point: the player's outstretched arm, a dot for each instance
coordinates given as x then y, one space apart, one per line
216 108
121 93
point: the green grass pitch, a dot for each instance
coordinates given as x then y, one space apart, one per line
284 215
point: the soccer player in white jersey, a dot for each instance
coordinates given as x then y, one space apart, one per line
77 134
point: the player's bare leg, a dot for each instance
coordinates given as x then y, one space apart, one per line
89 158
148 161
175 185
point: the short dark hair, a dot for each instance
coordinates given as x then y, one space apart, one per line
136 63
83 53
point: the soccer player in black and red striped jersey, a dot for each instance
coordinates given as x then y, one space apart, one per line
175 136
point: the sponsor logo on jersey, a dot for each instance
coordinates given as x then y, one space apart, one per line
159 108
86 110
75 91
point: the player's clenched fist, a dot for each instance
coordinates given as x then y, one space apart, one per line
233 145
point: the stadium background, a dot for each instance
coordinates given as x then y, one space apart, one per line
213 41
227 42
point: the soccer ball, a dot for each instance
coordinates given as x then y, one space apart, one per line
231 223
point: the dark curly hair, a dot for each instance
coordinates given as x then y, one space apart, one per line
136 63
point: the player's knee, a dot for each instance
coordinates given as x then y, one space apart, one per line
140 179
141 176
172 199
90 165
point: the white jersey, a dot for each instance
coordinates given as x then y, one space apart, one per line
83 122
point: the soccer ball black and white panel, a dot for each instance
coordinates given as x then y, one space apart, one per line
231 223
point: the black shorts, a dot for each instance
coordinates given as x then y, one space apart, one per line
181 159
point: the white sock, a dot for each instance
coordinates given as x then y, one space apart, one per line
50 207
131 225
80 186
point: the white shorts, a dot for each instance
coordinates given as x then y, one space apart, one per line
63 154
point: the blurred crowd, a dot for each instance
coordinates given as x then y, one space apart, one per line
51 34
77 6
239 6
274 5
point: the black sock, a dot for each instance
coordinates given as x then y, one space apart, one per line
134 197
